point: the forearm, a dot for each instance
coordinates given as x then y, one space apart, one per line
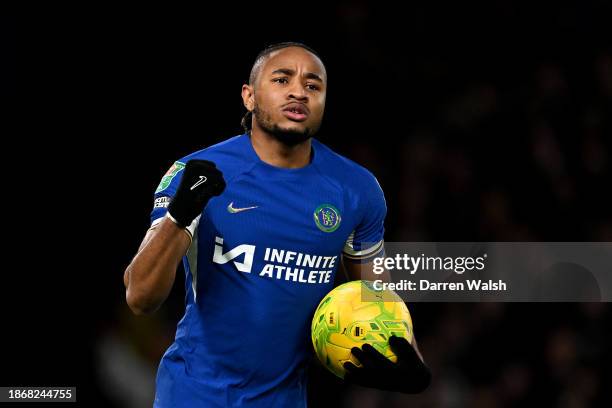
150 276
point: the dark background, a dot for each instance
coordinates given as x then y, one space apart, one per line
482 122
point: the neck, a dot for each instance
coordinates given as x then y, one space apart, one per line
273 152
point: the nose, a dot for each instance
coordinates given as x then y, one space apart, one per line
298 92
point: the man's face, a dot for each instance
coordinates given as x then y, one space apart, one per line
289 95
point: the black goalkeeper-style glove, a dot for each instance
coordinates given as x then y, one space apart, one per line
409 375
201 181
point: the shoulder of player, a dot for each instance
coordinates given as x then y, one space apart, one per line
227 155
218 151
346 170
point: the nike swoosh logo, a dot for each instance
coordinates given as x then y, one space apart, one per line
232 210
200 181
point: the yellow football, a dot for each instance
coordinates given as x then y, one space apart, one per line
353 314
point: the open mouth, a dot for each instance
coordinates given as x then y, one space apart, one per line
296 112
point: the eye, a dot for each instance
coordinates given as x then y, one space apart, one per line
281 80
312 87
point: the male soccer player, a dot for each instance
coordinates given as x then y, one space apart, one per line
261 222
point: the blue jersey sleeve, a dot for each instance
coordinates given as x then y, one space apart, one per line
166 190
367 240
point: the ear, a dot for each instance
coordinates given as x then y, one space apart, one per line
248 97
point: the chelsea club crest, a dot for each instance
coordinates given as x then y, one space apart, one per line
327 217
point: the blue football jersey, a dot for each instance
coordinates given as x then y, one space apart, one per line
264 254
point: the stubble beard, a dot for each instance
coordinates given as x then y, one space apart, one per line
289 137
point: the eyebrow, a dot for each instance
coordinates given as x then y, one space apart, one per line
287 71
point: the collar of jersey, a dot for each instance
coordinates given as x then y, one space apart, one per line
271 170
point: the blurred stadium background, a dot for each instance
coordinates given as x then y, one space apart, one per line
487 122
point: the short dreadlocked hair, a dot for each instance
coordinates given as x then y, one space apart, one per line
259 60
